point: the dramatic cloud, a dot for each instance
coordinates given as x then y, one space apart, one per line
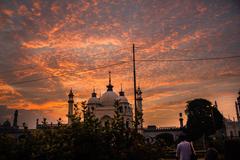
48 47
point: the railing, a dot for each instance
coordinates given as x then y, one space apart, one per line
162 129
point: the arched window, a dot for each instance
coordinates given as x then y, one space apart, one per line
127 124
106 123
231 134
106 120
121 109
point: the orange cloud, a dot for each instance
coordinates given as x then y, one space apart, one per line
23 10
7 92
36 8
7 12
55 8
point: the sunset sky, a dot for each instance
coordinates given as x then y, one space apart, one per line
48 47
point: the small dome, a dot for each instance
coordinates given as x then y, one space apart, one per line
108 98
93 100
122 99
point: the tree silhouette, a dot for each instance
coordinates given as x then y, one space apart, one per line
165 139
6 124
83 139
203 118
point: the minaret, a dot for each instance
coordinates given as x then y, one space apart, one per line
181 120
215 104
91 107
37 123
110 86
70 105
15 120
139 107
121 93
94 94
237 105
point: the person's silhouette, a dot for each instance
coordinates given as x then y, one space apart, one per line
185 150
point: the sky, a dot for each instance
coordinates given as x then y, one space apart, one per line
48 47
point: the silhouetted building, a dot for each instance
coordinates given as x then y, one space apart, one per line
152 131
232 126
45 125
70 106
181 120
15 119
237 105
139 100
14 130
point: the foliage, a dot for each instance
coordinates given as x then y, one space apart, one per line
231 149
84 139
203 118
165 139
6 124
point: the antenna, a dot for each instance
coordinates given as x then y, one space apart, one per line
109 77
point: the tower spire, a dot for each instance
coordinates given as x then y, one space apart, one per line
237 105
94 94
15 120
70 105
215 104
181 120
109 86
121 93
70 93
109 77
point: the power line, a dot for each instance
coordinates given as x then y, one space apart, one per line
18 69
194 59
33 80
140 60
54 76
92 58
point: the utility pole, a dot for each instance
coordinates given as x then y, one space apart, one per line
134 83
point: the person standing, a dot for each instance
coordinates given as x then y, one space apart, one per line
212 153
185 150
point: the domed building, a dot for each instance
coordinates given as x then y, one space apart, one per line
105 106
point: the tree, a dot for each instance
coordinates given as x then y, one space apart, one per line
85 138
6 124
203 118
165 139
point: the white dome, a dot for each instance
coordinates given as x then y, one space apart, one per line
93 100
123 99
108 98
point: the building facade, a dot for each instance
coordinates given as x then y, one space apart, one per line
232 126
105 106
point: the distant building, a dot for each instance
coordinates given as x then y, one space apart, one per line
152 131
14 130
237 106
232 127
45 125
